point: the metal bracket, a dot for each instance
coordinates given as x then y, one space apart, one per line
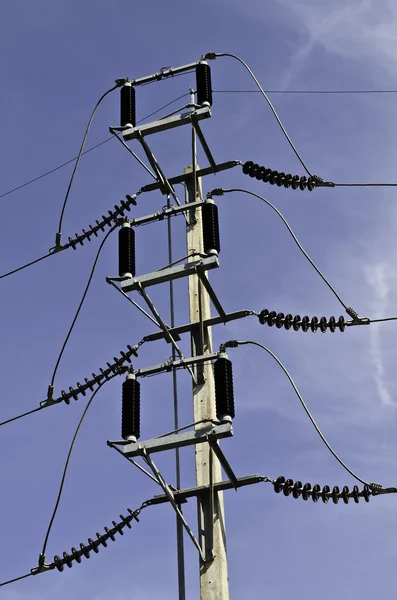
170 442
175 364
203 142
165 124
185 177
169 274
170 495
211 292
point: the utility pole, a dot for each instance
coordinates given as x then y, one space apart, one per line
211 518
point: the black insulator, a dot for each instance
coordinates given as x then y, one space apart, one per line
366 493
332 324
279 484
271 319
247 166
335 494
126 251
224 394
263 316
288 321
297 489
288 486
341 323
127 106
316 492
345 494
203 84
280 320
305 324
305 491
296 323
280 178
325 494
210 227
323 324
131 407
314 324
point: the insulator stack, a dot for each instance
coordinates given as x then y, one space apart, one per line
131 409
115 368
107 221
126 251
127 105
224 394
296 489
305 323
203 84
281 179
93 545
210 228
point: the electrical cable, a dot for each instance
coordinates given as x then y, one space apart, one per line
54 512
33 262
235 343
305 91
30 412
11 191
221 191
81 303
15 579
213 55
59 234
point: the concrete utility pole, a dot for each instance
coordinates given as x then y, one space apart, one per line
211 519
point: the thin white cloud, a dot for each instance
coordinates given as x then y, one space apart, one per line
355 29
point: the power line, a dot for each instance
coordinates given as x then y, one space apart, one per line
16 579
54 512
346 92
235 343
33 262
213 55
11 191
59 234
80 305
305 254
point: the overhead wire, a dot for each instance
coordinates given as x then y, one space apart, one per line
59 233
305 92
235 343
15 579
33 262
80 304
305 254
68 162
58 499
212 55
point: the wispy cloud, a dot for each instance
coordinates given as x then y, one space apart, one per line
362 28
380 277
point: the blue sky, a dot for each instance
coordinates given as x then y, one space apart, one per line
56 59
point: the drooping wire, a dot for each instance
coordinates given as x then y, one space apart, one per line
68 162
33 262
305 91
59 234
212 55
305 254
15 579
81 303
54 512
29 412
235 343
